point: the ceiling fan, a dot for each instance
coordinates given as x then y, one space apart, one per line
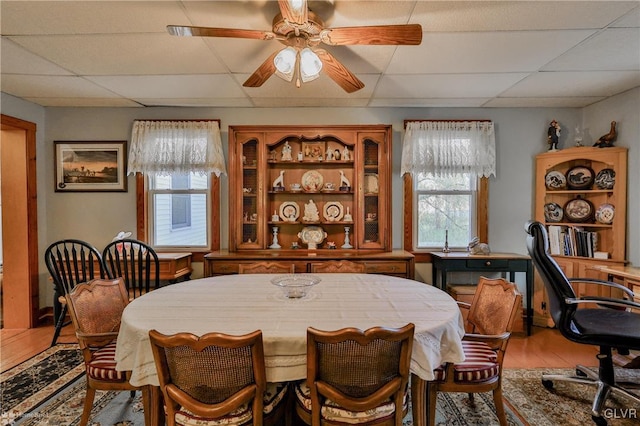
302 31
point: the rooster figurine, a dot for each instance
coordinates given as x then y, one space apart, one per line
607 140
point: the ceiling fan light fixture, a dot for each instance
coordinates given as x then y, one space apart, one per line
285 63
310 65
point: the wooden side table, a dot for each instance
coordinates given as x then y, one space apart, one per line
510 263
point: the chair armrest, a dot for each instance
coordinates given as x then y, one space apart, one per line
606 301
97 339
624 289
494 341
463 305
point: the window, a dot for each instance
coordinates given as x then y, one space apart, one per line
445 209
178 210
180 203
446 165
178 195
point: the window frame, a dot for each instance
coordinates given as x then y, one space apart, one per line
142 211
482 217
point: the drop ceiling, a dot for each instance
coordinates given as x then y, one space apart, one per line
473 54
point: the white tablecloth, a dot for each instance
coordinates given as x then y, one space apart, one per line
239 304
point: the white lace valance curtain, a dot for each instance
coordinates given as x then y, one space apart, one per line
166 147
449 147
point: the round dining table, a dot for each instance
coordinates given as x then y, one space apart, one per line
239 304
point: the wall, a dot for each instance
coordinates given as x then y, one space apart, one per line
625 110
520 135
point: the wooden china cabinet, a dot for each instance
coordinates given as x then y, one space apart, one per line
306 194
581 196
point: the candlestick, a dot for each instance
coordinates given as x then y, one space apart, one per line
445 249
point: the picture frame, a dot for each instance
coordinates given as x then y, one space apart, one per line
313 151
90 166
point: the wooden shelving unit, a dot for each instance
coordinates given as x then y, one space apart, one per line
307 191
610 234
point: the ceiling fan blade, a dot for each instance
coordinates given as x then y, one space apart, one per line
262 74
338 72
185 31
410 34
294 11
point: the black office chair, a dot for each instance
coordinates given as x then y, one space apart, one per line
136 262
608 325
70 262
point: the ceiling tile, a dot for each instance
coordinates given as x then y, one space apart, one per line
481 52
17 60
85 102
611 49
41 86
517 15
445 85
560 102
171 86
119 54
575 83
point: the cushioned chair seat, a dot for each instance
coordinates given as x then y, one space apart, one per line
103 365
273 396
333 412
480 364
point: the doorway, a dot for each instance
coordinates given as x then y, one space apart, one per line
20 281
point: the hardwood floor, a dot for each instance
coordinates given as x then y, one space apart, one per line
544 348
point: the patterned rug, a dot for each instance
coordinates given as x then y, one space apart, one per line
49 388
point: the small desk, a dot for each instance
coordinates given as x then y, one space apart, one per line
238 304
629 275
494 262
173 266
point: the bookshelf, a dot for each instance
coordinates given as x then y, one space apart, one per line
581 196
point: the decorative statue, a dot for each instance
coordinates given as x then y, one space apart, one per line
344 182
311 213
476 247
279 181
286 152
606 141
553 134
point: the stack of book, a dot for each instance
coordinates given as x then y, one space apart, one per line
572 241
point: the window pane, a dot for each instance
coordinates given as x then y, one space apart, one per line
440 212
458 182
165 234
180 211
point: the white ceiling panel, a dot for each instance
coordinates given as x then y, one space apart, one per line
483 52
473 53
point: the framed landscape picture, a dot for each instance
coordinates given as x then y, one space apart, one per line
91 166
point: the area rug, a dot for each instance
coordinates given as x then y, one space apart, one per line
49 388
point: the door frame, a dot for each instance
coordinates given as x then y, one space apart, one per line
20 299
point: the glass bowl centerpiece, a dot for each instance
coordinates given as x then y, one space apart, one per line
295 286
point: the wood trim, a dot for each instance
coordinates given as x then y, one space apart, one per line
21 309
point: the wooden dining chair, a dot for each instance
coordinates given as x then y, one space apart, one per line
96 308
356 377
136 262
336 266
266 268
216 379
69 262
492 314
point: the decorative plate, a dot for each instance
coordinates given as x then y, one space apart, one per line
606 179
580 177
370 183
553 213
578 210
312 181
289 211
555 180
333 211
605 213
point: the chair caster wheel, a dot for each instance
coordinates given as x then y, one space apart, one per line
599 420
548 384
